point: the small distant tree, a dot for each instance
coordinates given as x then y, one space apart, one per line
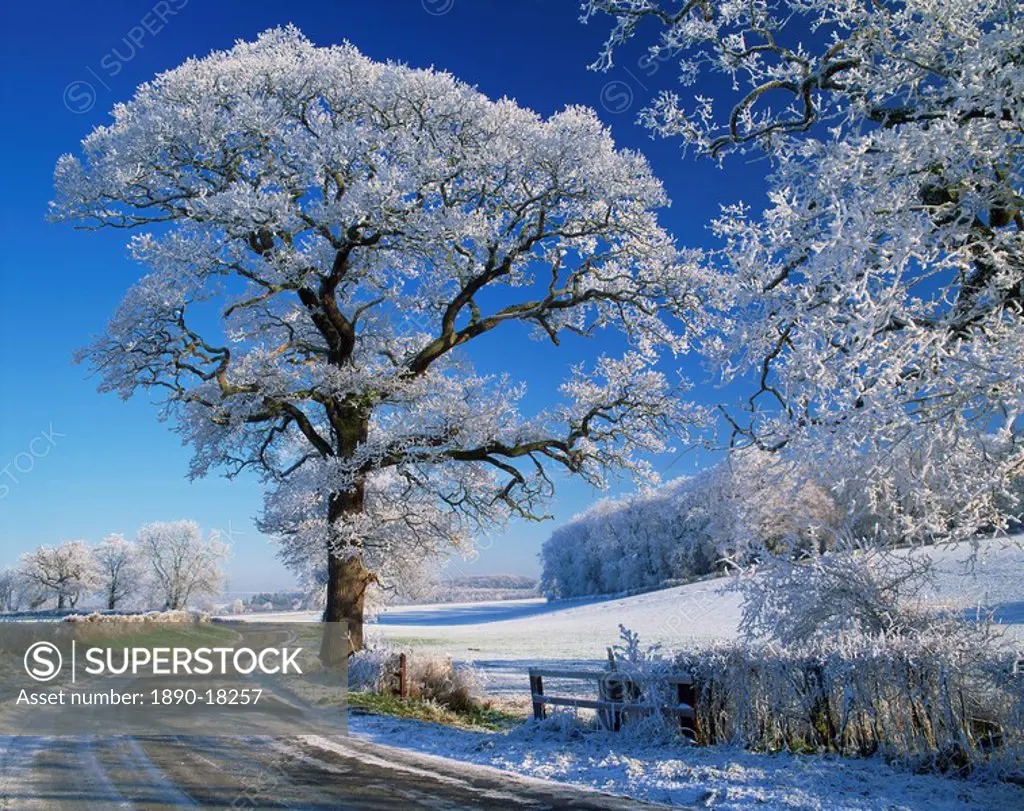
65 572
181 564
10 590
238 607
119 569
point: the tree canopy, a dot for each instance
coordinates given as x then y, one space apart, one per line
876 298
349 226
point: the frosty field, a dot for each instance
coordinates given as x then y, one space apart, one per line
503 638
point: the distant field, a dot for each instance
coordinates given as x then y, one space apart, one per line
503 637
479 588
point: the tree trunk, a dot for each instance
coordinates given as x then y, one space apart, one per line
347 576
346 594
347 580
60 600
111 602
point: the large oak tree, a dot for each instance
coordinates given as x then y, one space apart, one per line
325 236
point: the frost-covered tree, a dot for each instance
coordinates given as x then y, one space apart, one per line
759 504
182 565
740 511
64 572
877 297
119 569
326 237
10 589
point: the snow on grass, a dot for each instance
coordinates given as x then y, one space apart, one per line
698 612
994 581
581 630
503 638
677 774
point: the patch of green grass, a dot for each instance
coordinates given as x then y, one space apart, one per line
158 634
416 641
481 717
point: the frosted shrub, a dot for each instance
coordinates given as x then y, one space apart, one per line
636 677
438 680
431 678
643 670
373 668
868 591
947 698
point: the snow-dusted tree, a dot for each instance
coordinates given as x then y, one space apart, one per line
10 590
747 507
871 591
65 572
878 296
119 569
182 565
761 504
354 226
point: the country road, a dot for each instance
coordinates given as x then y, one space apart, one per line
39 774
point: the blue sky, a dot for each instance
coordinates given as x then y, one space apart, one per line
77 464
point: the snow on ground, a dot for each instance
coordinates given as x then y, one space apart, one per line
716 777
503 638
995 581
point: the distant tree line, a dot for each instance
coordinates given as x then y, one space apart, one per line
274 601
730 515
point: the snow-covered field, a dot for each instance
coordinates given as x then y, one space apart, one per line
503 638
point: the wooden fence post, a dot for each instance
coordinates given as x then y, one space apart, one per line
687 694
537 689
403 676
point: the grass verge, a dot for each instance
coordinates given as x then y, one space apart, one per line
480 718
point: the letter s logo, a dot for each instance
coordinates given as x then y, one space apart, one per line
43 661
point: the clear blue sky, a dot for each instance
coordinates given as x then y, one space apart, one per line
112 466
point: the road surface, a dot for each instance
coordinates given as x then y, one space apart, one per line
54 774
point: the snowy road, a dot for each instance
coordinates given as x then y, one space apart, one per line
39 774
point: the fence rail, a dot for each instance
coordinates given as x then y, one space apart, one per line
619 696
